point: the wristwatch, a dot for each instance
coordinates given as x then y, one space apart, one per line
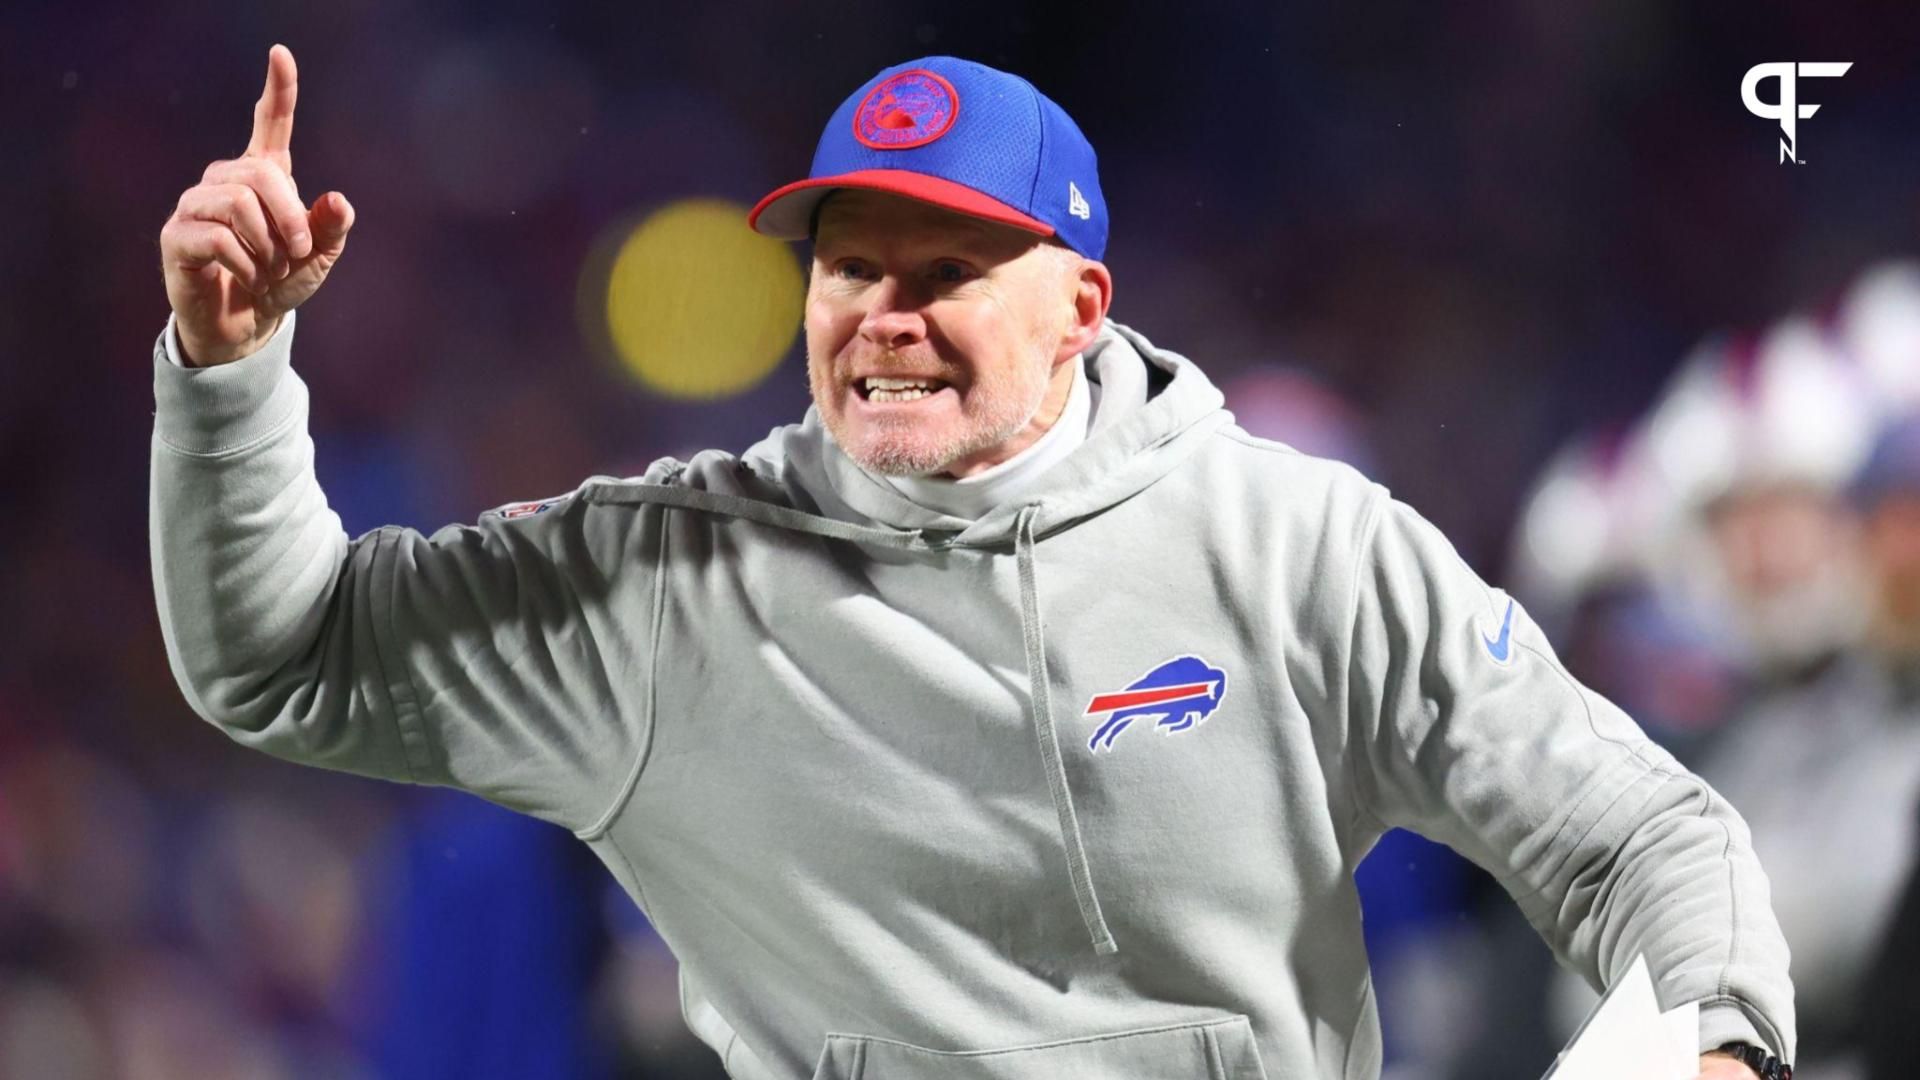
1762 1063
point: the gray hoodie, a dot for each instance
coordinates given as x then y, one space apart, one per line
1075 789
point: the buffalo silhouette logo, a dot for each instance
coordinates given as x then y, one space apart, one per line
1177 695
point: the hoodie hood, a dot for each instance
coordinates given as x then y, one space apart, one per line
1156 409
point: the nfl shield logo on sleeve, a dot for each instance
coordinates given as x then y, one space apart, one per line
527 509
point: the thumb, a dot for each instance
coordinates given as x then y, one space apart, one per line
328 223
330 219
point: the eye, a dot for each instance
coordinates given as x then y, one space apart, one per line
949 272
851 270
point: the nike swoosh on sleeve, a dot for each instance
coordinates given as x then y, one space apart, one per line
1501 648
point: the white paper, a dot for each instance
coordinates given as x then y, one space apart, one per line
1628 1035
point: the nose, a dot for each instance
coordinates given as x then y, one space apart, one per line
893 319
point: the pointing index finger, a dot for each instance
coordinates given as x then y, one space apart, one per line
273 115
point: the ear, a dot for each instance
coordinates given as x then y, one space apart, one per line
1092 296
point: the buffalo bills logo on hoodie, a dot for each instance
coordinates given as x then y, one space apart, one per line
1177 694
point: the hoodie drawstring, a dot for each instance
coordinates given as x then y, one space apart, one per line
1040 712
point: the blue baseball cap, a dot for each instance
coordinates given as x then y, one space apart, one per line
959 135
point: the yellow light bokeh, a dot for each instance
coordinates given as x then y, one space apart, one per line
699 305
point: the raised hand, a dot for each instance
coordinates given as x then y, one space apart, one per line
241 250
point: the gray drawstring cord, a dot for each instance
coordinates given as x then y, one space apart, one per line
1040 711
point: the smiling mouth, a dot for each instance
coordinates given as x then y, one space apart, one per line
886 391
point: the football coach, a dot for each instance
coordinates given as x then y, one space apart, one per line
1013 714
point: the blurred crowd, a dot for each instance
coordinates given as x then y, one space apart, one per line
1429 240
1740 568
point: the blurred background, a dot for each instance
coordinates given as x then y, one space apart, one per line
1534 266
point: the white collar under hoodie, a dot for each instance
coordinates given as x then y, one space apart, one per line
972 496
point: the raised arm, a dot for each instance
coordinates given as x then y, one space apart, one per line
475 658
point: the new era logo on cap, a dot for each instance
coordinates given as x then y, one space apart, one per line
959 135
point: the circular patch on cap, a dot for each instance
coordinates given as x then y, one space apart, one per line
910 109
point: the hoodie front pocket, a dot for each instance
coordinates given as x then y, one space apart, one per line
1214 1049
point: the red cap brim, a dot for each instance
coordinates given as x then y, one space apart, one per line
786 212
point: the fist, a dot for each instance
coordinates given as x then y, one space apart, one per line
241 250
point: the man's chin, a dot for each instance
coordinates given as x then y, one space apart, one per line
907 448
889 460
896 453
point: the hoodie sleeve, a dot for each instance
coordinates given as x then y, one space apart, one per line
1467 730
481 657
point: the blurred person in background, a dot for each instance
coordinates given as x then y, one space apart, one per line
1828 776
1889 1022
1581 555
1887 494
1882 322
1823 755
1750 450
1783 497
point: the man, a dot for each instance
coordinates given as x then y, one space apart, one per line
807 707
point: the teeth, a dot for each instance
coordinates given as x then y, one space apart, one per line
887 390
914 394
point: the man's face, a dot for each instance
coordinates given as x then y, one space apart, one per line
979 315
1790 556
